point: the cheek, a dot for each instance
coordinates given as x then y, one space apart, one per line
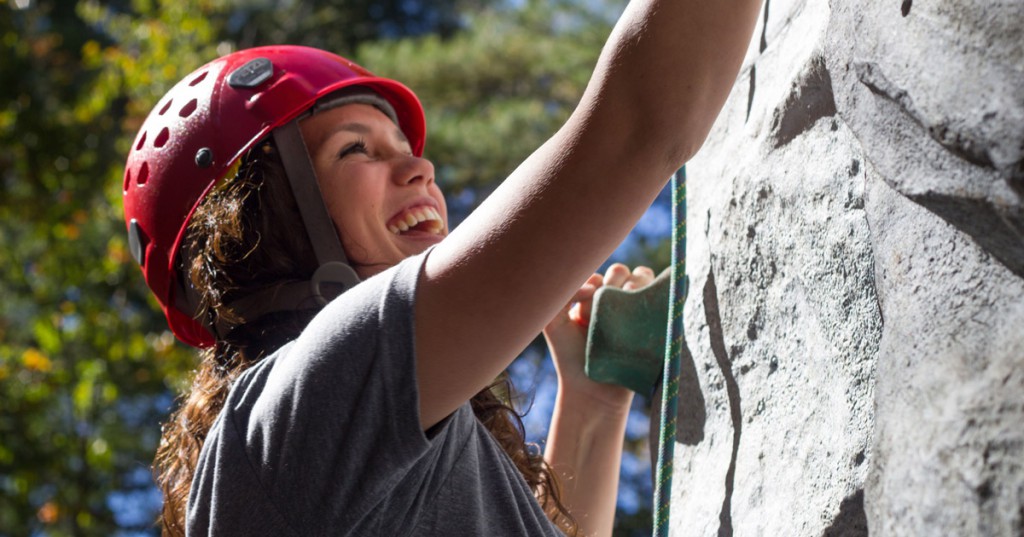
334 201
435 192
352 213
345 195
343 213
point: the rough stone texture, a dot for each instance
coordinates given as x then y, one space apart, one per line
855 323
936 98
949 433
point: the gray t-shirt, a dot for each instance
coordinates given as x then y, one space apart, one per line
323 438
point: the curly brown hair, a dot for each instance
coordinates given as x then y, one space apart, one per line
241 240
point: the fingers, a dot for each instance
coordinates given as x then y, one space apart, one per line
619 275
579 313
589 287
616 275
641 277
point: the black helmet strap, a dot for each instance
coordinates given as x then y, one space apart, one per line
302 178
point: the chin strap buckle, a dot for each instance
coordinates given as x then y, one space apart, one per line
333 272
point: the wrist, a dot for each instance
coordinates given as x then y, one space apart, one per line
594 399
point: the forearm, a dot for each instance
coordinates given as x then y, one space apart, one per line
669 66
584 449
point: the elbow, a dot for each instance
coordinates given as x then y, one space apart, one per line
682 130
668 144
658 136
662 131
683 135
680 151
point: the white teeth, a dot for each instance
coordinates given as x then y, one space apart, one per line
416 216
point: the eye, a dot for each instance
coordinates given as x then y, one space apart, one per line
359 146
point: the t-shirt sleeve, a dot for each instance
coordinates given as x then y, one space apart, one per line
330 424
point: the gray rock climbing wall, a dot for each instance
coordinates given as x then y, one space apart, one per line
855 323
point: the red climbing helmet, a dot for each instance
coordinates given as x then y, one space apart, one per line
203 126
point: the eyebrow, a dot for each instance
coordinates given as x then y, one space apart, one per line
357 128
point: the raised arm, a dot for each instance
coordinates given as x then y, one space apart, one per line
492 285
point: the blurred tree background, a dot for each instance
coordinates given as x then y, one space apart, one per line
88 370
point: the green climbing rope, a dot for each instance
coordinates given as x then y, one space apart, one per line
670 390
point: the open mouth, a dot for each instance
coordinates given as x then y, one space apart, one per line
424 218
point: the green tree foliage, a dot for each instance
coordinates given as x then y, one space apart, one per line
341 26
85 360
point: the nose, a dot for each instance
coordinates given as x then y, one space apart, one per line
414 169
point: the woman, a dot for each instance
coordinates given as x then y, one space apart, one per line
279 205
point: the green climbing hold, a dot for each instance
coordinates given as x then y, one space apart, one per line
626 339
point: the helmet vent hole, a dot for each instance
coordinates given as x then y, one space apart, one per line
199 78
188 108
164 109
127 180
143 174
162 138
142 141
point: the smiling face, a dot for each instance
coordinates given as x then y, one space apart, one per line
383 199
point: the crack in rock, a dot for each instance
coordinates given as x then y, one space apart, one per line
753 68
714 320
764 28
750 91
690 426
